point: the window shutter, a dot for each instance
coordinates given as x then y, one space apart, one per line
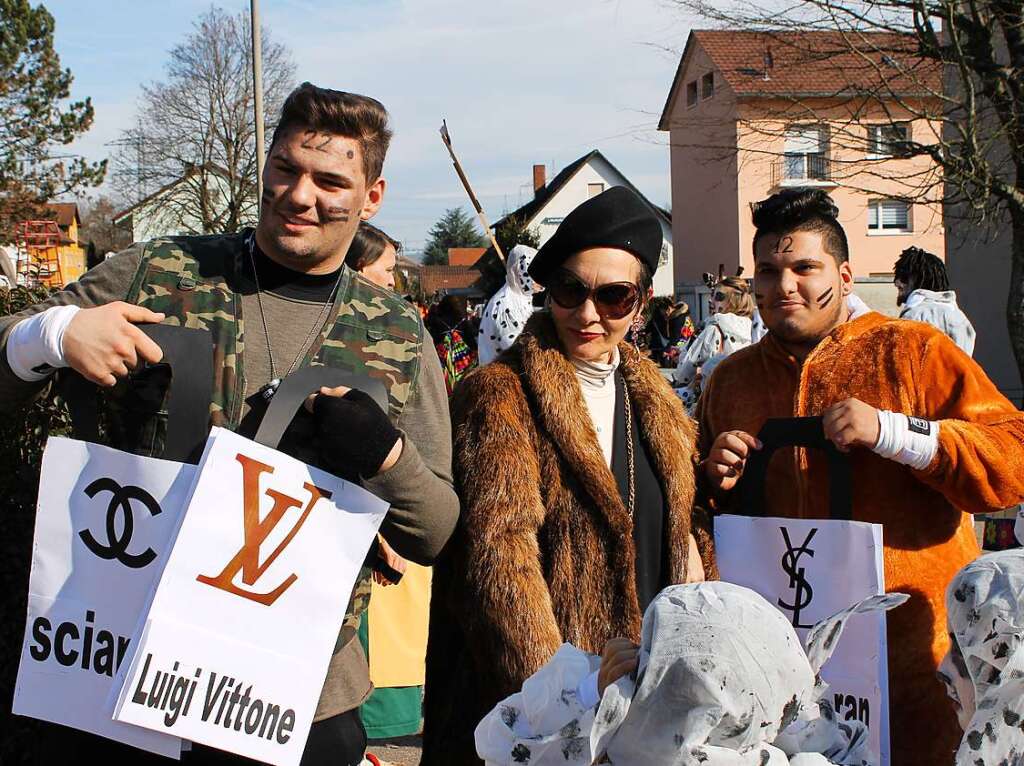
895 215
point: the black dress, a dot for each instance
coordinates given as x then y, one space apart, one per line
649 502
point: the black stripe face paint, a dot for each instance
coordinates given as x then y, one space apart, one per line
337 215
825 298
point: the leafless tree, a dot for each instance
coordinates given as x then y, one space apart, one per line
194 136
98 227
955 64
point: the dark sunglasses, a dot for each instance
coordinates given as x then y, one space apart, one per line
612 301
719 297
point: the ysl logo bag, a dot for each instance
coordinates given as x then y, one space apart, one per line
813 568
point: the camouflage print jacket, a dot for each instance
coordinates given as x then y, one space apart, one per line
196 282
372 332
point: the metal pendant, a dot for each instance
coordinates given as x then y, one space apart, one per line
268 391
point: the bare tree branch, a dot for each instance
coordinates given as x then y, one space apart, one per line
196 128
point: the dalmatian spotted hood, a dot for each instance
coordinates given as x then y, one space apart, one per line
984 670
510 307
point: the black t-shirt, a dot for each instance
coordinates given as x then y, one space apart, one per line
296 285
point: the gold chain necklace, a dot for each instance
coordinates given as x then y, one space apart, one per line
629 448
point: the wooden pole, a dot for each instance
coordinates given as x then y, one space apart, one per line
469 190
257 90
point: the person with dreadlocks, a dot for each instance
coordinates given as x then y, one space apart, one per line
922 286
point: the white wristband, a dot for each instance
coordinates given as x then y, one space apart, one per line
910 441
35 346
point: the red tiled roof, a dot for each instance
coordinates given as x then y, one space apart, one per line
464 256
434 278
808 63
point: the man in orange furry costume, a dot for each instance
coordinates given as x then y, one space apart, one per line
929 437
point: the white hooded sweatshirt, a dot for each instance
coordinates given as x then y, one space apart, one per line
940 310
510 307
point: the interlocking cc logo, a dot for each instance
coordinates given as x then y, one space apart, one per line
116 546
256 530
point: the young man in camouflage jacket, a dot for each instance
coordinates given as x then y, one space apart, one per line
301 306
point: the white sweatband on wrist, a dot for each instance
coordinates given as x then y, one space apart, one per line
35 346
910 441
586 692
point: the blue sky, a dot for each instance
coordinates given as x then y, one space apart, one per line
519 81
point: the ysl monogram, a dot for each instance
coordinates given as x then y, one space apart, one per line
256 531
803 593
116 546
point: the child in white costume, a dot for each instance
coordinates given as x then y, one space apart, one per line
984 669
722 681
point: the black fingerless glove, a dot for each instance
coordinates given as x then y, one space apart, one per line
354 432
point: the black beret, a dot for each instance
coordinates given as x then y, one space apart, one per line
617 218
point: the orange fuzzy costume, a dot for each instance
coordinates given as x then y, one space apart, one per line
905 367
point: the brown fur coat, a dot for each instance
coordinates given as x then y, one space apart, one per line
543 553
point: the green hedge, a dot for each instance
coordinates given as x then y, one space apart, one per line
23 435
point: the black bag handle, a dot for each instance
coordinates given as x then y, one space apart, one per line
188 398
796 432
298 385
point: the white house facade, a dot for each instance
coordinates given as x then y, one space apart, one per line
577 182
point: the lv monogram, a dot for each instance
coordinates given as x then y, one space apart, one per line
247 560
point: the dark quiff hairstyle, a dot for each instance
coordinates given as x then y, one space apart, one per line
335 112
795 210
368 245
921 270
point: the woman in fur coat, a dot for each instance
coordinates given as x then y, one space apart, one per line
574 462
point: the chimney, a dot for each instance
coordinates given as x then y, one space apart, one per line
539 178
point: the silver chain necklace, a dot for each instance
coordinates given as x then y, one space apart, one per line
268 390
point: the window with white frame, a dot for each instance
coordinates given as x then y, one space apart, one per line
707 85
805 153
691 93
888 140
889 216
594 189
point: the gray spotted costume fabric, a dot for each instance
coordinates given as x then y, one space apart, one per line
722 681
984 670
722 335
510 307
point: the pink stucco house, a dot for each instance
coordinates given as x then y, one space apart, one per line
750 113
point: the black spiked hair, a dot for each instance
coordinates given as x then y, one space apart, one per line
794 210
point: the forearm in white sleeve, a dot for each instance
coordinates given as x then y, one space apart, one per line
910 441
35 347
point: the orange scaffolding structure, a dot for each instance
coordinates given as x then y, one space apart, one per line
39 254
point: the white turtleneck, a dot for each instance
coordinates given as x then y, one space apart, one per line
597 381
